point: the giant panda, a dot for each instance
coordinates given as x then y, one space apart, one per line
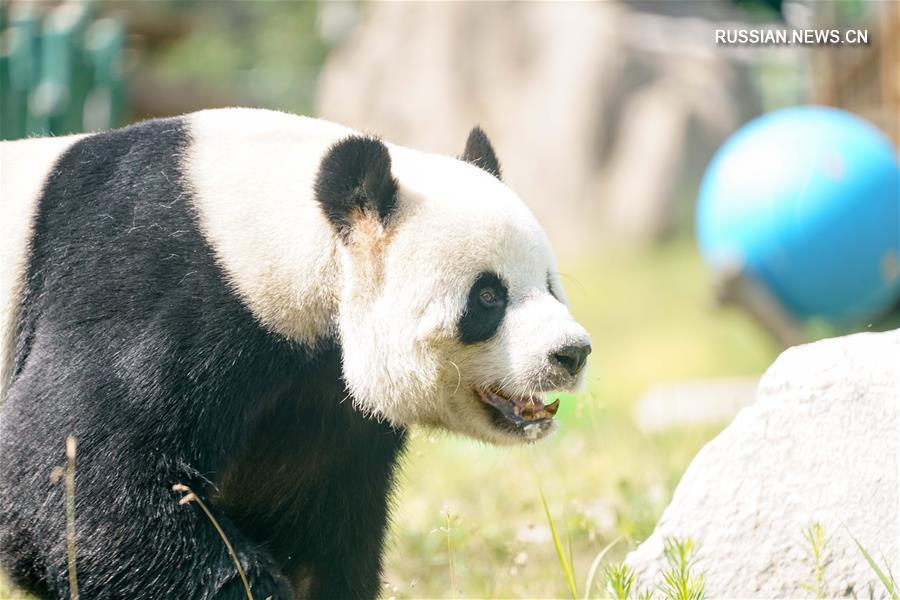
257 306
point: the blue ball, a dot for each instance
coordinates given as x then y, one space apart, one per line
807 199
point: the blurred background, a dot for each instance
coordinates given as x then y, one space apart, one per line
606 117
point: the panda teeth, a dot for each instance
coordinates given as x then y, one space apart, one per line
528 408
552 407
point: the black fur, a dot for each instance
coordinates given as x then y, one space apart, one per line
480 322
480 153
355 179
130 341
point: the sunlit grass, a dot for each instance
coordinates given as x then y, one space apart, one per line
595 566
619 581
680 581
887 579
818 544
565 559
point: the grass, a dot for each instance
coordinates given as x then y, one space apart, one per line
565 560
887 579
447 529
619 581
595 566
818 546
680 582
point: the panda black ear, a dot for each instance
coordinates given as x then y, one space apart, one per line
480 153
355 181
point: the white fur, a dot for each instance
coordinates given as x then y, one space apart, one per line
252 172
394 296
24 166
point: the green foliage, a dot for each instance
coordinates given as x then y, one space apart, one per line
619 581
818 544
261 53
564 561
595 565
679 581
890 584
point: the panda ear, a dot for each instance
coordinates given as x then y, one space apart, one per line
480 153
355 182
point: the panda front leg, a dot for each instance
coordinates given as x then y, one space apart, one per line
132 537
251 572
163 546
157 545
342 545
349 567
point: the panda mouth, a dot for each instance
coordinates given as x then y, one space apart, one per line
520 411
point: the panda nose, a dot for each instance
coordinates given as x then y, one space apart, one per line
572 357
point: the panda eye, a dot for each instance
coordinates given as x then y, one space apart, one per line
485 308
488 298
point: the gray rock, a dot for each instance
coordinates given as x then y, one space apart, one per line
820 445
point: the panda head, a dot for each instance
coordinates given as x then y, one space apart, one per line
450 310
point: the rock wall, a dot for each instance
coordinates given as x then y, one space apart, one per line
820 445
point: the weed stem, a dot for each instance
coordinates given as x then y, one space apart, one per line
189 497
70 517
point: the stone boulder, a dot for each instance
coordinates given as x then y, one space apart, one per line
820 445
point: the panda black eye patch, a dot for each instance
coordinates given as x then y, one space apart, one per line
485 308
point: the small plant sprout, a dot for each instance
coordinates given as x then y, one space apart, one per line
447 529
189 497
679 582
818 545
619 581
